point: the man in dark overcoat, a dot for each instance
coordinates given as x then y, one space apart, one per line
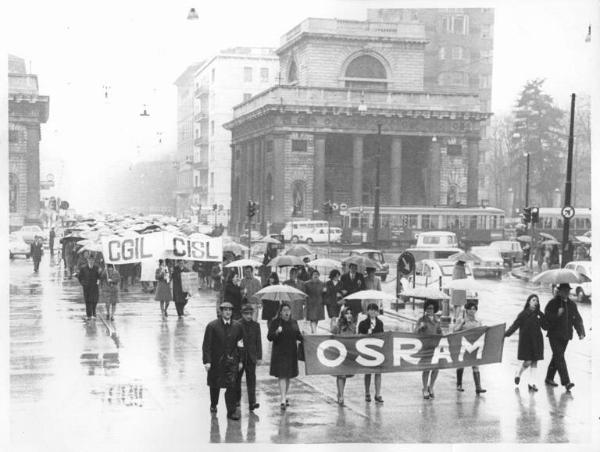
51 237
89 276
562 316
221 357
352 282
36 251
251 355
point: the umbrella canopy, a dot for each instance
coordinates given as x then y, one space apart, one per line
362 262
326 263
370 295
583 239
560 276
524 238
426 293
285 261
465 257
550 242
270 240
280 292
588 234
462 284
234 248
243 263
299 251
547 236
93 247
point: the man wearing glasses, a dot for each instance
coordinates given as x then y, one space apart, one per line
221 358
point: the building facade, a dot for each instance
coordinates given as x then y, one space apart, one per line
223 81
314 137
27 110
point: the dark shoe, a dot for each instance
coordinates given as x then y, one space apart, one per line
213 408
477 379
517 380
287 402
459 388
282 406
254 406
550 382
431 395
425 394
379 399
368 398
233 416
569 386
532 388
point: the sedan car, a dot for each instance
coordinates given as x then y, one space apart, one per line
377 256
17 246
490 263
583 291
436 272
28 233
510 250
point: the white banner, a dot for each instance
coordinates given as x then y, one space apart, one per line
149 270
160 245
190 282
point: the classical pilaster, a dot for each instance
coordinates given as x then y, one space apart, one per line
319 172
472 172
434 172
33 174
357 169
396 170
278 175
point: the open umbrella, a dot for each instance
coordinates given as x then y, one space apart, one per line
299 250
267 239
243 263
325 262
280 292
93 247
524 238
560 276
583 239
234 248
426 293
464 256
362 262
285 261
547 236
462 284
370 295
550 242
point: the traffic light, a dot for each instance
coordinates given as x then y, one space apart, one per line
527 215
327 208
252 208
215 206
405 221
535 215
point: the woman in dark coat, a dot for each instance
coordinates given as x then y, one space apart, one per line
270 307
332 297
314 288
429 324
233 294
180 296
284 333
531 341
163 287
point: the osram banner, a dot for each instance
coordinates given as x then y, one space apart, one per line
159 245
402 352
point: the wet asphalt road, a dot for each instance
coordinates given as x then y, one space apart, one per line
138 383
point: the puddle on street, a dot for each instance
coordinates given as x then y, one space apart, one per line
122 394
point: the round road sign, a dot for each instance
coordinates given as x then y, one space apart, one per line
406 263
567 212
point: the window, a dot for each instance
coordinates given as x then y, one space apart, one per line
486 31
485 81
13 136
368 72
473 222
212 127
270 146
292 72
197 133
454 150
212 180
237 152
442 53
247 96
196 181
486 55
456 24
247 74
13 190
457 53
299 146
425 222
264 74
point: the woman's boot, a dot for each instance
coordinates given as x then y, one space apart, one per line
477 379
459 377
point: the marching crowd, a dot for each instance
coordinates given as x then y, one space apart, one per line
232 345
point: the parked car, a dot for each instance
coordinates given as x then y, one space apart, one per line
510 250
17 246
432 252
490 263
28 233
256 236
429 271
377 256
583 291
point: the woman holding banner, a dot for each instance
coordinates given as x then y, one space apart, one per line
429 324
284 333
465 324
163 287
371 325
345 327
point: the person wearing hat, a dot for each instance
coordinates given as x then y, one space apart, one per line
352 282
305 271
36 251
89 276
251 355
223 338
429 324
561 316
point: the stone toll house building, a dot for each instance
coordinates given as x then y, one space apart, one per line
313 138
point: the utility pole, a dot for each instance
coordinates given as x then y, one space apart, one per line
377 190
527 188
565 238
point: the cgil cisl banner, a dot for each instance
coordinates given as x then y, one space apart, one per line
402 352
159 245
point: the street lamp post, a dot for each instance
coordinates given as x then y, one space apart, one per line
377 190
565 238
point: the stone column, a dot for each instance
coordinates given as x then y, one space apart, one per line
472 172
357 170
396 171
33 175
278 213
434 172
319 172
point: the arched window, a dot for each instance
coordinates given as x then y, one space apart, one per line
13 191
293 72
298 190
366 72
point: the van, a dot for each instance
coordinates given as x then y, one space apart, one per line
437 239
432 253
305 231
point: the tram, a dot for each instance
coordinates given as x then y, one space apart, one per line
399 226
551 222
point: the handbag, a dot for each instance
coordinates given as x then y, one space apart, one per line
301 351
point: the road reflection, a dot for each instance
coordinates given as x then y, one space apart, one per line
558 412
528 426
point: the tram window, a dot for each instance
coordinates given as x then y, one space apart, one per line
546 222
588 223
559 223
412 221
425 221
494 221
473 222
434 222
481 222
501 222
354 220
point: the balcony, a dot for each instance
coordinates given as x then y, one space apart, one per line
201 141
351 99
201 92
198 117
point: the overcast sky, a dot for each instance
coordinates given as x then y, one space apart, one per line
138 48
